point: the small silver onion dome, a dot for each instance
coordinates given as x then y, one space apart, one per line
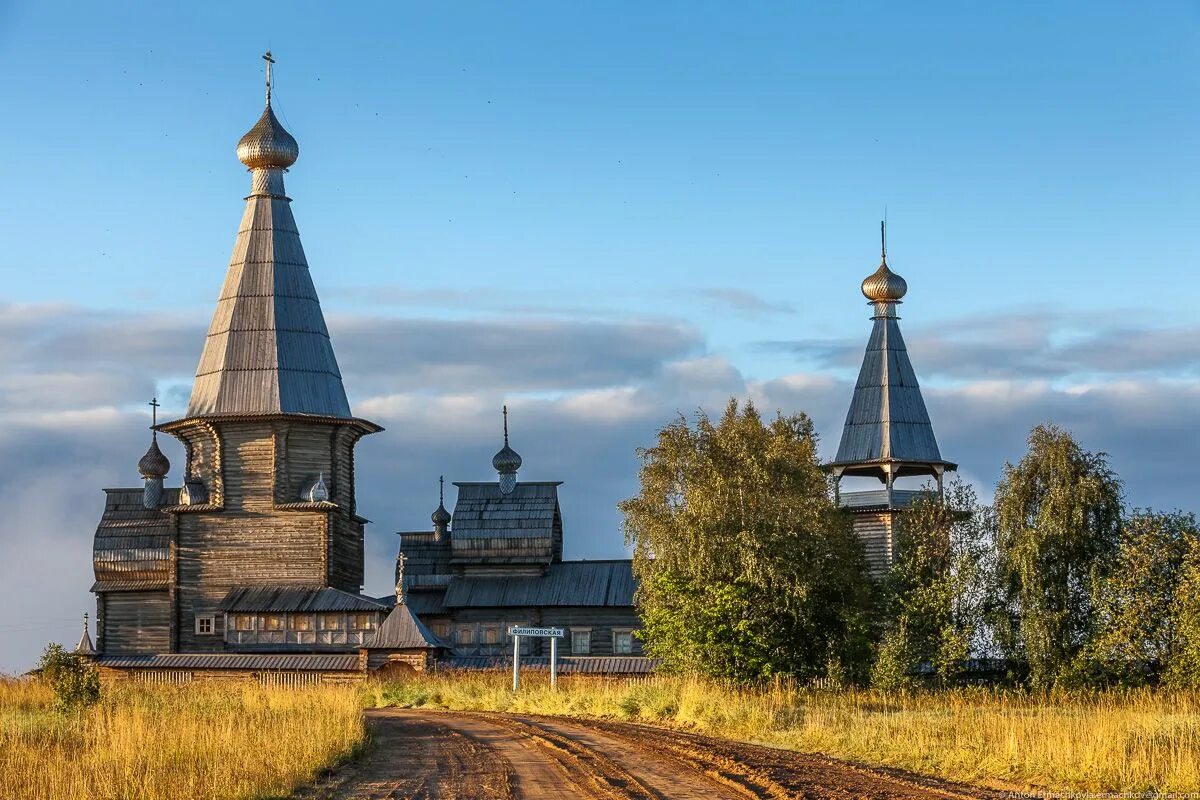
267 144
440 516
506 461
154 464
883 285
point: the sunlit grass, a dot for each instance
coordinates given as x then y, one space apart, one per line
1130 741
194 741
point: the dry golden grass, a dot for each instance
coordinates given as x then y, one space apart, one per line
154 743
1130 741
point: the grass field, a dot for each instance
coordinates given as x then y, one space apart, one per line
245 741
1132 741
154 743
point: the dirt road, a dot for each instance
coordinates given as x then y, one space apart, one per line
431 755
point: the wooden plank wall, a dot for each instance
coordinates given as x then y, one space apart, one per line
875 530
134 622
602 621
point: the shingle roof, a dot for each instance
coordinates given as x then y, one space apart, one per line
482 512
132 546
296 598
566 583
567 665
887 420
252 661
401 630
268 349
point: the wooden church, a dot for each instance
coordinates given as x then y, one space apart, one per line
253 566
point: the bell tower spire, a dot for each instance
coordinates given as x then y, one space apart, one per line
887 434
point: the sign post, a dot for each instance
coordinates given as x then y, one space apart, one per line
553 634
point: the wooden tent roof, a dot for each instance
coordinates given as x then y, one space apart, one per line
268 350
887 422
401 630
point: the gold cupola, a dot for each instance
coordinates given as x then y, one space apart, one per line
268 145
883 285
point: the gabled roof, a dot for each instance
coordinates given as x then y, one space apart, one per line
566 583
268 350
401 630
296 599
530 510
887 421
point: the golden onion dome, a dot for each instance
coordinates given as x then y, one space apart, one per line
267 144
884 286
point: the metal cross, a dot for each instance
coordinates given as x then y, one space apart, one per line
270 61
154 404
505 424
441 490
883 240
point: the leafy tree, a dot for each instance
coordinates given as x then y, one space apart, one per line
746 567
932 598
1058 519
1138 603
1183 666
75 681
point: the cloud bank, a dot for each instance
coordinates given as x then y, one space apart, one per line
583 395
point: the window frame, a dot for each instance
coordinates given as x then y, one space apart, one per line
211 620
616 632
587 633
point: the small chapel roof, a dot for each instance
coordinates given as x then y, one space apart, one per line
401 630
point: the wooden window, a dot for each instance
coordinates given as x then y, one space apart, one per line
302 622
622 641
581 641
491 635
331 622
466 634
272 622
243 622
362 622
441 629
206 624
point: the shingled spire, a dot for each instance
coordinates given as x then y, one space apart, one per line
268 350
887 434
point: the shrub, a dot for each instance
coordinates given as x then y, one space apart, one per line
75 681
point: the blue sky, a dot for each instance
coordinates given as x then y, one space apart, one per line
602 214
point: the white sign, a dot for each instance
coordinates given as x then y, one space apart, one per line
554 632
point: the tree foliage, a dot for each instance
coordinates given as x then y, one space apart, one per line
747 569
74 679
933 597
1139 604
1058 521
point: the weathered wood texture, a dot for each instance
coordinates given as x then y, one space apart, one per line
133 622
253 541
876 531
